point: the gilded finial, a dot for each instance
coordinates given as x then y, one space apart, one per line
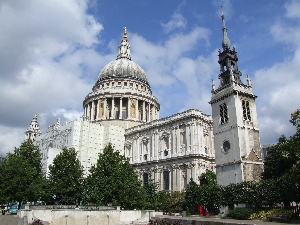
125 31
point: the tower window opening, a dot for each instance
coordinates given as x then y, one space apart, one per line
223 113
246 110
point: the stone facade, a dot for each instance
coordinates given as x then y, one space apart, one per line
236 133
122 110
86 137
172 150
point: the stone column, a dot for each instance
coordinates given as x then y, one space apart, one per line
152 145
149 112
162 179
187 137
194 173
156 146
188 175
174 186
178 179
137 109
104 116
121 106
173 150
178 141
128 109
85 108
88 111
93 110
112 108
144 111
98 109
202 138
199 138
192 137
158 114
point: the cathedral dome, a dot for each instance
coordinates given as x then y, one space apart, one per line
123 68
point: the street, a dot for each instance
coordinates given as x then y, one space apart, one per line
8 219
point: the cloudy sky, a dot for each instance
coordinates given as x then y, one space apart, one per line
51 53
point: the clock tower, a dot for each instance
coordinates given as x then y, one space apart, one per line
236 133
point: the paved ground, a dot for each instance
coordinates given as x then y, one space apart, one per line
258 222
8 219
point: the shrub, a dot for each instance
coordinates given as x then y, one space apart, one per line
264 214
241 213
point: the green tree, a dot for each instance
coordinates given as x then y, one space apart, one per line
175 203
3 165
112 180
23 178
66 177
151 194
192 197
283 165
208 178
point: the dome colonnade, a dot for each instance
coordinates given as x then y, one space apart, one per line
122 92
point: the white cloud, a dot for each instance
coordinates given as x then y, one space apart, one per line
293 9
279 84
10 138
158 60
177 21
46 56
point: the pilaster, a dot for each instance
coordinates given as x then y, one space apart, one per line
121 107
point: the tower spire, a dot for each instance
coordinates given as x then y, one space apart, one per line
124 47
225 41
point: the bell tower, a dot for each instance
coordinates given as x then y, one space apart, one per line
236 133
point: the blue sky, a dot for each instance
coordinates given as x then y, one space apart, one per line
52 52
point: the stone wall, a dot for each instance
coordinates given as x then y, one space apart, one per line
89 217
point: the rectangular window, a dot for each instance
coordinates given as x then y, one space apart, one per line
125 84
113 84
119 83
223 113
246 110
131 84
166 177
145 176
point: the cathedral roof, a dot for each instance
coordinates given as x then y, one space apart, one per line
123 67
